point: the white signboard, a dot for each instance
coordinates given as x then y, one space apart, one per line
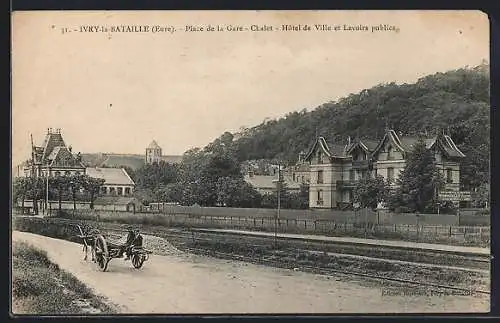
455 196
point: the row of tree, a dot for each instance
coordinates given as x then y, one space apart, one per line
68 188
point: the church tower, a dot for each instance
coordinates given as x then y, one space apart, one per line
153 153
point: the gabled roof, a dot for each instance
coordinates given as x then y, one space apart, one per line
406 143
367 145
52 140
334 151
111 176
62 157
154 145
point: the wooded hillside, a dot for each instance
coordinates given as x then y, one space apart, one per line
456 101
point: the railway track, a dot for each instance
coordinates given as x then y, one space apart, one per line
187 241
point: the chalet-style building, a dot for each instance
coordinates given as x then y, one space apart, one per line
335 170
53 158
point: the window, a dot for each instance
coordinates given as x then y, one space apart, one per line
294 177
104 190
351 175
112 190
320 197
127 190
364 156
449 175
120 191
363 174
57 173
355 156
351 197
390 174
67 173
320 177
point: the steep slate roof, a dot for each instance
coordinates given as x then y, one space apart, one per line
111 176
333 151
266 182
62 157
51 141
406 143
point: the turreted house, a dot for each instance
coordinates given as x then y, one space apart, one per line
54 158
335 170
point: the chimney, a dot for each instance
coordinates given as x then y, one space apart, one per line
70 149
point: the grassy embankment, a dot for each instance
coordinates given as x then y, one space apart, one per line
40 287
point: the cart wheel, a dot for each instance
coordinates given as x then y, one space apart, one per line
101 253
137 261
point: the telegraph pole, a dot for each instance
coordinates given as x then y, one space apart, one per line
34 178
278 187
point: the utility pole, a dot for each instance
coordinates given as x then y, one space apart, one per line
278 187
34 178
47 192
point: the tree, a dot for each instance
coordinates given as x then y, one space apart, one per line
369 192
236 192
418 183
21 187
61 185
76 182
92 186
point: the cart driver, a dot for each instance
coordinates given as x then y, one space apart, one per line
133 239
131 236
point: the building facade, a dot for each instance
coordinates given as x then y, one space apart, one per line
334 172
53 158
117 182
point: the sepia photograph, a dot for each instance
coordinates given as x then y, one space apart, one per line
250 162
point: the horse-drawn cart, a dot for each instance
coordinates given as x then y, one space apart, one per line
103 249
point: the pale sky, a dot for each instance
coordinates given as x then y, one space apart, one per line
186 88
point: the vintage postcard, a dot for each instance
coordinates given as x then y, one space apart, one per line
242 162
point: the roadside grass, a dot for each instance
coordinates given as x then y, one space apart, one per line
40 287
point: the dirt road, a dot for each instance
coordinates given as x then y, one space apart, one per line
196 284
